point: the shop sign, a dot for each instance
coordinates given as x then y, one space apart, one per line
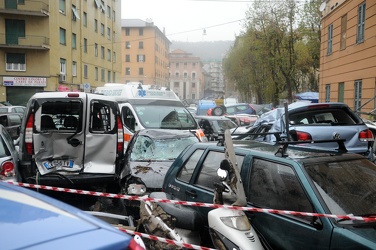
25 81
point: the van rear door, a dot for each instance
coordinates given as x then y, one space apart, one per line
102 137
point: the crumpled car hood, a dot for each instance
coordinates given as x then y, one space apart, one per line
151 173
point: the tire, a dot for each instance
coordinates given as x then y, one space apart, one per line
219 111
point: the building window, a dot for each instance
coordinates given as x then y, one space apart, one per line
341 92
357 95
15 62
63 66
62 36
102 75
96 50
102 6
62 6
108 11
109 55
327 93
85 71
141 58
114 76
127 31
74 68
193 76
74 45
343 32
108 33
193 84
96 73
177 65
176 84
193 65
140 31
108 76
127 45
113 16
84 19
102 52
330 39
96 25
185 65
102 29
361 22
127 58
185 75
85 45
75 15
140 45
113 35
141 71
96 3
127 71
114 56
177 74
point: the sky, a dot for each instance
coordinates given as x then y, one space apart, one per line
188 20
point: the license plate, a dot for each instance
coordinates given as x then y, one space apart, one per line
58 163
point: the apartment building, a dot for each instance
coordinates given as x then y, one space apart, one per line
145 53
216 85
59 45
348 53
186 75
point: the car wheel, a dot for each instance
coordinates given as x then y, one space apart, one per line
219 111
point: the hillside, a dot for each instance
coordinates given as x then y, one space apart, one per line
207 51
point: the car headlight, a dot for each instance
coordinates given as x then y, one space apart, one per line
136 189
238 222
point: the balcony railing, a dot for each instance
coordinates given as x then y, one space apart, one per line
32 8
27 42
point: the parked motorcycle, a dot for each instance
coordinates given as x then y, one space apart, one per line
228 228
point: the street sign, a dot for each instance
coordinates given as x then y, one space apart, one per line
86 87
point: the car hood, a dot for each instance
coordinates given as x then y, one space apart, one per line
28 218
151 173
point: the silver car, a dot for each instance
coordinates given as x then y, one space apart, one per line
317 121
8 156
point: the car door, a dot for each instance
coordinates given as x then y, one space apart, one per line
14 125
276 185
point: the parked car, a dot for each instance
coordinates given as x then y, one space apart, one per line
72 139
317 121
13 109
292 179
239 108
8 156
149 155
204 106
12 123
30 220
214 126
243 119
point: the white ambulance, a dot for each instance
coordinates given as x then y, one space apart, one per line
144 106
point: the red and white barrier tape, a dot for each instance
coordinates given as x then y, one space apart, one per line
189 203
168 241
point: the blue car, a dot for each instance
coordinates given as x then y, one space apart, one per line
30 220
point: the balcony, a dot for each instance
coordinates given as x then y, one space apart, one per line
27 42
29 8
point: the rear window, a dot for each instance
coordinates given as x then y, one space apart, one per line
327 116
60 114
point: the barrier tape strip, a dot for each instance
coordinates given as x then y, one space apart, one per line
189 203
164 240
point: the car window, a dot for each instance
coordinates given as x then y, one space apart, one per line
129 119
4 120
14 119
230 110
8 138
3 110
4 151
337 116
208 173
242 107
187 170
276 186
102 118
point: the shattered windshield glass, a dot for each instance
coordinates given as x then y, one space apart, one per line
148 149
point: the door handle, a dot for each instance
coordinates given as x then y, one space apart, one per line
191 193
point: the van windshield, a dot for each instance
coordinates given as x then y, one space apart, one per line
166 117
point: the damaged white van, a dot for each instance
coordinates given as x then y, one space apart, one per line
72 139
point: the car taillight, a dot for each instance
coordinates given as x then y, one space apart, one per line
29 135
366 135
7 169
303 136
120 140
133 245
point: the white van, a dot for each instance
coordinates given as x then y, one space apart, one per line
72 139
144 106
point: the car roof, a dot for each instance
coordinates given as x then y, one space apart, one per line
30 219
213 118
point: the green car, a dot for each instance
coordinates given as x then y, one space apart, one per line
293 179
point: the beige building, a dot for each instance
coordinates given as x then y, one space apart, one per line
144 53
59 45
186 75
348 53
